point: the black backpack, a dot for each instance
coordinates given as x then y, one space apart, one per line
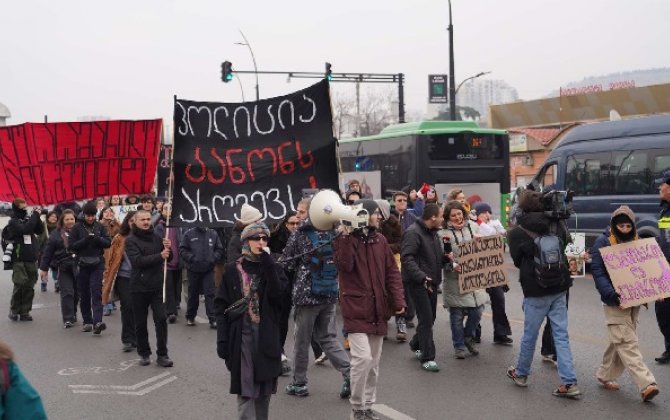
549 260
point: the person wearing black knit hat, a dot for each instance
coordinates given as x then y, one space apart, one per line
88 240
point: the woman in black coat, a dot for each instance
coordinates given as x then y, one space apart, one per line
248 337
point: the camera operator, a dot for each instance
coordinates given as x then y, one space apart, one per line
542 298
22 231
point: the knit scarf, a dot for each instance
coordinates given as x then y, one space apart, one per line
249 289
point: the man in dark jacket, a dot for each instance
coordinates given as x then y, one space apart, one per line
147 253
88 240
663 307
200 248
422 257
369 285
623 350
21 232
541 302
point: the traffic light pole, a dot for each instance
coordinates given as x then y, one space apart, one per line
398 78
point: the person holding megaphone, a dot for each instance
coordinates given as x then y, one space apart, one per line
371 291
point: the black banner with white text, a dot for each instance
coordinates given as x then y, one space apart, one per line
261 153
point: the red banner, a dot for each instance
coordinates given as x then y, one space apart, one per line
56 162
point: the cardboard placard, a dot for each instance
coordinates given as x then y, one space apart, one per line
481 261
639 271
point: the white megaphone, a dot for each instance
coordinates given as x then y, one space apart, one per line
326 211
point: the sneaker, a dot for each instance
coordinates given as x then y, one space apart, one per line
56 287
164 361
67 324
401 333
172 318
106 311
87 328
470 345
410 324
128 347
285 367
370 415
99 327
299 390
418 354
567 391
144 361
346 344
549 358
609 385
43 287
13 316
212 324
430 366
25 317
477 340
358 415
663 359
190 322
649 392
459 353
503 339
321 359
345 390
521 381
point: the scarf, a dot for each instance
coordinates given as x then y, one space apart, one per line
250 292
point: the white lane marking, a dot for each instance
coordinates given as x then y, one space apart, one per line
141 392
391 413
123 387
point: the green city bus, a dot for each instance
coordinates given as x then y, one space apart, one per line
445 154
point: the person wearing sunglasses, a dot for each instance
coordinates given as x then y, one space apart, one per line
248 303
370 284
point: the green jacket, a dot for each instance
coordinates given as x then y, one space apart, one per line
21 400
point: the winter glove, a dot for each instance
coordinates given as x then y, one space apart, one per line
505 288
266 260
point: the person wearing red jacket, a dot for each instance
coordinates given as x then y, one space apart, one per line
371 291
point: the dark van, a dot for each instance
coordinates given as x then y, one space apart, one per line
609 164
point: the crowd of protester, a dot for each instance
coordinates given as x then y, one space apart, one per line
113 250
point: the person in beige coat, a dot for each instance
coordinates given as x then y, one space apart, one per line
116 278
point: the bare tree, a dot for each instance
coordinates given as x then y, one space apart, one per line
376 109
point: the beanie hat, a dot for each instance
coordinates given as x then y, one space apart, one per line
482 207
254 229
369 205
249 215
350 192
384 207
90 209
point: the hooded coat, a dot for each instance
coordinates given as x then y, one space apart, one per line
371 290
522 249
422 255
610 236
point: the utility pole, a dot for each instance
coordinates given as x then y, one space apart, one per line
452 76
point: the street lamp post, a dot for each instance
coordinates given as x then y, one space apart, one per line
470 78
452 78
253 58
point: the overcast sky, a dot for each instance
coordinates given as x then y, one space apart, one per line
126 59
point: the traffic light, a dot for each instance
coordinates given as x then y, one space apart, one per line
226 71
329 72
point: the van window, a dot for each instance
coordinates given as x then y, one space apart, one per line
589 174
547 177
631 172
661 162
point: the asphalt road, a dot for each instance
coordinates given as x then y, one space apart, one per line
81 376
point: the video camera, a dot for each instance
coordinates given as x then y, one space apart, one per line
558 204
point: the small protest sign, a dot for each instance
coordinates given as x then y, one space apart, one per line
576 253
481 261
639 271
